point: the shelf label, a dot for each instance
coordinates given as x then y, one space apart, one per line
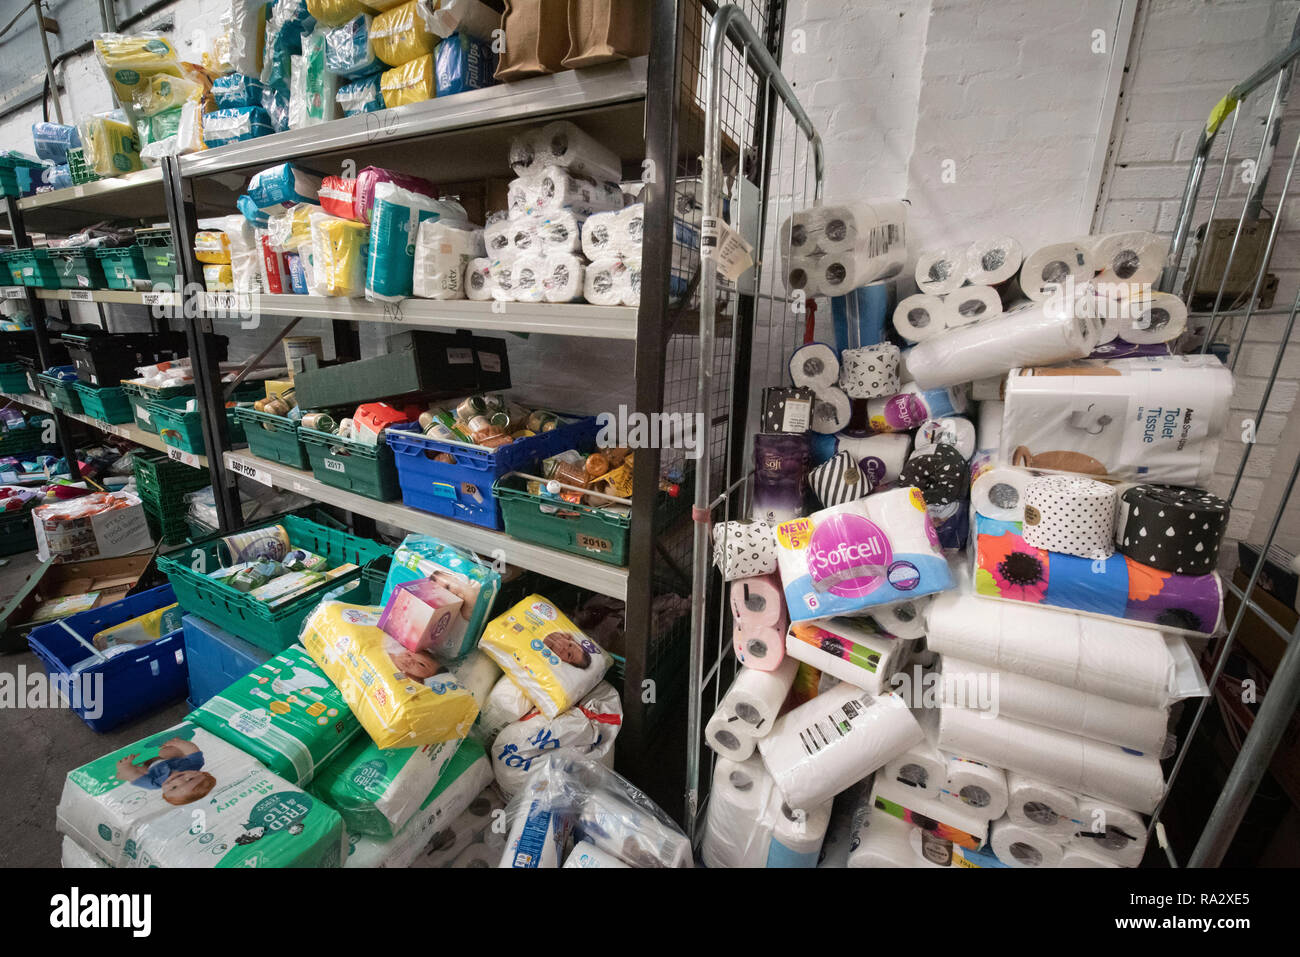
15 292
114 429
81 295
334 465
180 455
250 471
151 298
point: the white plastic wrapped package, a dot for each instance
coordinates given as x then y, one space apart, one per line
360 96
245 256
135 807
284 183
443 249
612 281
339 255
1157 419
312 87
395 226
469 17
1032 334
347 48
506 703
247 35
478 279
738 823
588 729
554 188
564 145
580 798
545 233
557 277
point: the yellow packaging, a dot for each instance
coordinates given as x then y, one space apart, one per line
217 60
292 228
335 13
166 92
278 387
109 147
218 277
409 83
403 699
339 250
131 62
400 35
545 654
211 246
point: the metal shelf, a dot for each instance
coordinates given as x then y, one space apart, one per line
593 575
133 196
128 431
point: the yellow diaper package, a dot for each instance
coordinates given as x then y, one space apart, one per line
400 35
109 146
545 654
412 82
132 62
290 229
166 92
404 699
339 249
335 13
211 246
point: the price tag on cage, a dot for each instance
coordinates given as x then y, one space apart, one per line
180 455
731 254
250 471
14 292
81 295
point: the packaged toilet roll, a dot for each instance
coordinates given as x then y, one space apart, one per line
904 619
1154 317
756 697
557 232
1111 833
977 786
922 768
797 835
1075 516
501 280
912 406
803 274
869 371
941 271
1055 706
478 279
739 821
845 560
554 188
730 737
632 829
838 273
845 648
564 144
993 261
443 249
608 281
1056 758
553 277
539 828
1030 334
971 304
881 457
877 229
949 821
1047 269
921 316
496 237
744 549
611 233
882 840
837 738
1129 257
815 366
586 854
1017 846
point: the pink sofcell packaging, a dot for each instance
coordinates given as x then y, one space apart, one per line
418 613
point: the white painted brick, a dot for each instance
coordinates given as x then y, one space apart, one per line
1130 214
1240 523
1145 182
1248 392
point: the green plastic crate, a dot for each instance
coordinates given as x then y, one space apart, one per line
108 403
13 378
159 253
16 441
123 266
578 529
14 270
37 268
140 397
368 470
78 268
17 531
250 619
273 437
161 482
64 395
77 168
184 430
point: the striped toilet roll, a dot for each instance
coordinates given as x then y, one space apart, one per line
1173 529
1075 516
870 371
839 480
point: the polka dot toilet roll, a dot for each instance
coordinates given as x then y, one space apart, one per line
1173 529
1075 516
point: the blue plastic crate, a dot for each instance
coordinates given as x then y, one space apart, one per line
134 682
463 490
216 658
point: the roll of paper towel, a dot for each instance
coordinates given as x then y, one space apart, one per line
973 304
1113 833
837 738
941 271
921 767
921 316
1158 317
1047 269
563 144
951 821
1016 846
729 736
586 854
1075 516
738 823
1129 257
755 697
992 261
797 835
1054 757
840 647
1032 334
975 785
904 619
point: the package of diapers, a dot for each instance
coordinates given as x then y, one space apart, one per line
73 855
873 551
404 699
589 729
139 806
466 775
285 713
473 582
545 654
506 703
375 789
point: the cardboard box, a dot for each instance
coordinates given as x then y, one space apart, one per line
109 579
62 535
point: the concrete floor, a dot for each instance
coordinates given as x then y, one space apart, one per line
41 747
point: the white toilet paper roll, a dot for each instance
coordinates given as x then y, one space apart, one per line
1130 257
921 316
831 410
803 274
843 648
869 371
954 430
992 261
797 835
1080 854
904 619
920 768
1075 516
999 493
478 856
608 281
972 304
840 272
815 366
1051 267
586 854
882 840
976 785
501 280
1113 833
1055 758
738 822
563 144
881 457
562 277
755 697
559 232
478 279
1030 335
795 239
1016 846
1159 317
941 271
496 237
528 273
837 738
729 736
602 234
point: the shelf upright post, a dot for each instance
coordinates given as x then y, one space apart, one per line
202 345
36 310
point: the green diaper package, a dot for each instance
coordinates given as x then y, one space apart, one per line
285 713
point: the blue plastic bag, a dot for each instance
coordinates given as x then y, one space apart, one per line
236 89
284 183
241 123
463 63
53 140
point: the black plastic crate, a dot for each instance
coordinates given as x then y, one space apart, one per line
105 358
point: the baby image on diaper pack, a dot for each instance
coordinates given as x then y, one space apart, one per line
176 771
